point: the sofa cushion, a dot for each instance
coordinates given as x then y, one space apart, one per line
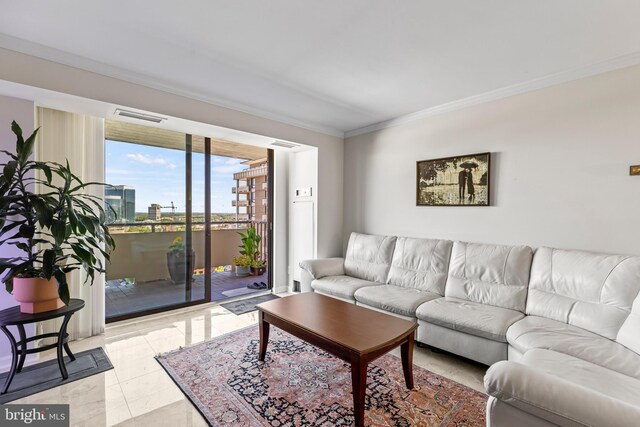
591 291
396 299
539 332
341 286
420 264
490 274
586 374
553 399
628 334
485 321
369 257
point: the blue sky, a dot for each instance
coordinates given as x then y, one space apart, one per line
158 176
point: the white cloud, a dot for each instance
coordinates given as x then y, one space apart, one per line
149 160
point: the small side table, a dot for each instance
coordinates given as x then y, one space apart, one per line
13 317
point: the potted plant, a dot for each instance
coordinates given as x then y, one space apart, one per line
258 267
177 261
251 247
243 265
57 231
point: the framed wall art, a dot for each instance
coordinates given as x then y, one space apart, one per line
454 181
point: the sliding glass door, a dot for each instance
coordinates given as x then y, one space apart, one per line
176 207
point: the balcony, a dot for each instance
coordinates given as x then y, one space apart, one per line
251 173
240 190
265 202
138 274
235 203
264 186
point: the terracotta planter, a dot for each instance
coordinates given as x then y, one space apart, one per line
36 295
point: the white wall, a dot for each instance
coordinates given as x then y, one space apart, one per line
32 71
561 160
303 210
23 113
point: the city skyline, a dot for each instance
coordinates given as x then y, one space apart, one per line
158 176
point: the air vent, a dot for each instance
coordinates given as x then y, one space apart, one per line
284 144
139 116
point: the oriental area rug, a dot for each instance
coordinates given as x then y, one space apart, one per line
300 385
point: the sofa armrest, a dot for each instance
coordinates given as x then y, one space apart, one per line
319 268
554 399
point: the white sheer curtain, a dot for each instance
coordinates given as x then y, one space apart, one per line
80 140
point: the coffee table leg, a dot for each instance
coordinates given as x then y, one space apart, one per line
406 351
264 336
359 385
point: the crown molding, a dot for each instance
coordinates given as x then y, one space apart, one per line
65 58
540 83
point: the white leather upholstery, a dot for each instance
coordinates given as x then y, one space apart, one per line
629 333
485 321
591 291
369 257
501 414
565 390
396 299
319 268
370 307
537 332
341 286
421 264
490 274
586 374
472 347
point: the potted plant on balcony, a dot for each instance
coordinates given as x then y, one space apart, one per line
251 247
243 265
55 231
258 267
177 261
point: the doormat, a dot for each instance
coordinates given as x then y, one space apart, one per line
45 375
247 305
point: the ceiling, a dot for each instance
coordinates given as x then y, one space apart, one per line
116 130
331 65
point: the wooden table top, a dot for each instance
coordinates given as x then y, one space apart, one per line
357 328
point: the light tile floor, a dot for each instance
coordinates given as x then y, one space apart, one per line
139 393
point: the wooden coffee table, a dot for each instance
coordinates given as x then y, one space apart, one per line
354 334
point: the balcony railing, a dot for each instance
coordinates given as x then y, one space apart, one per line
141 247
251 173
235 203
240 190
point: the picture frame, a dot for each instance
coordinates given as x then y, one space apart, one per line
454 181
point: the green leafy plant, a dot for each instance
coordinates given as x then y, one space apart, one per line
258 263
251 245
58 230
242 261
177 246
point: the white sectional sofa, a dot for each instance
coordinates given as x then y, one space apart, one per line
560 328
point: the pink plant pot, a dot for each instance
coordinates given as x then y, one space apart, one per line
36 295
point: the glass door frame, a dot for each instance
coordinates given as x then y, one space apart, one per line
207 231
